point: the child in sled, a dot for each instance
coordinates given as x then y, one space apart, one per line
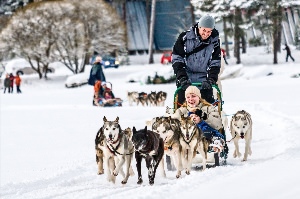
205 115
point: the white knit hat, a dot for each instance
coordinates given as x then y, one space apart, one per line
194 90
206 21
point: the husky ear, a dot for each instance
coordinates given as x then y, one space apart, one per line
134 130
117 119
145 129
104 119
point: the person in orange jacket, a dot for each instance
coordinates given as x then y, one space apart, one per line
18 83
98 90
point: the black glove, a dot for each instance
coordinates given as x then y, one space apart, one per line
207 84
207 94
184 82
201 114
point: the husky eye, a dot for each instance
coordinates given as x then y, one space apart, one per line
106 128
243 127
114 128
238 127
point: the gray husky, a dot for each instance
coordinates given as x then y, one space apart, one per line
241 128
117 150
169 130
191 140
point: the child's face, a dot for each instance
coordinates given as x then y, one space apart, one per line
192 99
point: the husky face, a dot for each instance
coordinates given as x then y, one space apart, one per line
187 127
152 97
139 139
240 125
162 126
111 130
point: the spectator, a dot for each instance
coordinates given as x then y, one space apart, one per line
288 53
11 77
97 92
224 55
7 83
18 83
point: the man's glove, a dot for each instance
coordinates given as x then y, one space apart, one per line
183 82
207 84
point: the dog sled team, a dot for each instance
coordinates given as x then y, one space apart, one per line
147 99
103 95
194 128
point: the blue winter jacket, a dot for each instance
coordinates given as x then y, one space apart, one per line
209 131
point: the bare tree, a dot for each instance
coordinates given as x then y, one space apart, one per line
63 31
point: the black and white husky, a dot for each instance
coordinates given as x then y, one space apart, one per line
150 146
241 128
117 150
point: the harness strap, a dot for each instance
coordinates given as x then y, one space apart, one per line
195 50
232 138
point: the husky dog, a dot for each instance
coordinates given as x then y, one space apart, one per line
189 141
161 98
169 130
117 150
99 141
150 146
132 97
152 98
241 128
143 98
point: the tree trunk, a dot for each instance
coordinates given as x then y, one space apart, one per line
244 44
237 34
151 33
226 38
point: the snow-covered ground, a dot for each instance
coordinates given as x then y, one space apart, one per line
48 132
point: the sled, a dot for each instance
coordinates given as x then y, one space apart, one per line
216 158
114 102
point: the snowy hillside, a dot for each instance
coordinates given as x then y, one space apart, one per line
47 137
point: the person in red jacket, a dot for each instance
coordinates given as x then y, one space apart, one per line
224 55
18 83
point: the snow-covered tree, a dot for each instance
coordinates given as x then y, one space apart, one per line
64 31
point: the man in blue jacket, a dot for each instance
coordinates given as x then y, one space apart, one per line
196 58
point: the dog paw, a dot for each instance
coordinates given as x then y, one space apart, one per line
124 182
140 181
151 182
100 172
239 154
188 172
115 173
234 155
